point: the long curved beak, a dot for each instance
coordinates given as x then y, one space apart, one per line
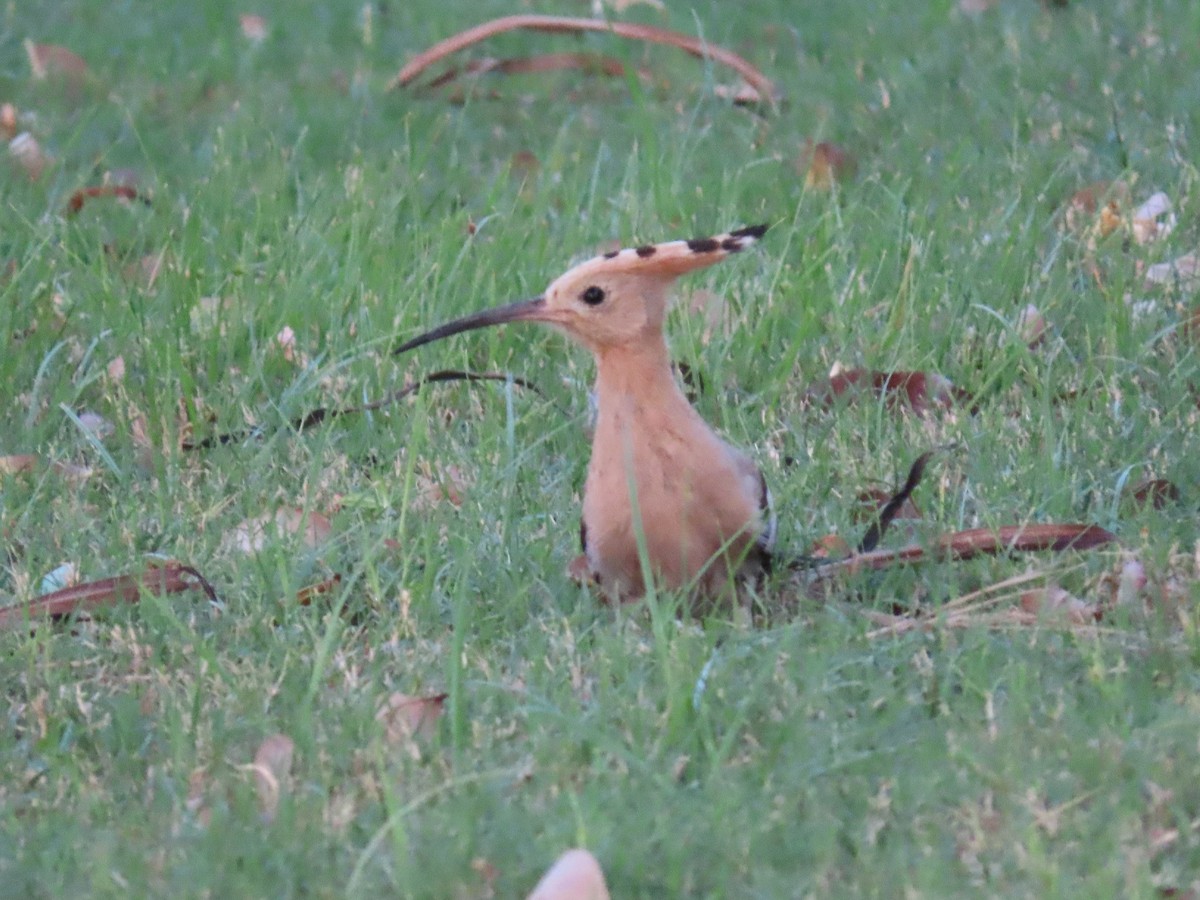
523 311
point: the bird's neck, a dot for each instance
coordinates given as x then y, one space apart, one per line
637 375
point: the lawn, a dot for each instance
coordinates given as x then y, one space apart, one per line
302 218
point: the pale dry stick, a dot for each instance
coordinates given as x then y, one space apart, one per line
701 49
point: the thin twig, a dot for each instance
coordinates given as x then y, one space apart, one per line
696 47
324 414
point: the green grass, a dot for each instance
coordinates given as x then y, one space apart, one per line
290 190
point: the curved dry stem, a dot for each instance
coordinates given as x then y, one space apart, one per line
698 48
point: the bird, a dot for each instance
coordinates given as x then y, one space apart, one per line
667 502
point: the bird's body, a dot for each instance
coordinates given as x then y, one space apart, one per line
702 511
701 503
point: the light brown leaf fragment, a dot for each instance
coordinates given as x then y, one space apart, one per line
576 875
254 27
16 463
1153 219
27 153
1031 326
1052 601
271 767
976 7
251 535
8 121
406 718
620 6
1097 208
824 164
286 339
1183 272
1155 492
917 391
483 867
47 60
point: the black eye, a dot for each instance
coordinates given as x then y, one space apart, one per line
593 296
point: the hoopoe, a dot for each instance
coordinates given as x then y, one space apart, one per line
659 475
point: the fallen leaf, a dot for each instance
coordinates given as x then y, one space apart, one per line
251 535
406 718
116 369
95 424
825 164
598 6
61 577
47 60
1153 219
8 121
918 391
24 462
830 546
1107 198
28 154
254 28
1053 601
168 578
976 7
1155 492
122 192
440 484
1182 273
576 875
488 872
1031 326
17 463
286 339
305 595
271 767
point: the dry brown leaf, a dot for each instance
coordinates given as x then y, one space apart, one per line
1052 601
168 578
917 391
286 340
598 6
17 463
831 546
116 369
406 718
23 462
825 164
122 192
1153 219
1183 273
271 767
441 484
28 154
254 27
576 875
49 60
8 121
1031 326
483 867
1156 492
976 7
1097 208
305 595
251 535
